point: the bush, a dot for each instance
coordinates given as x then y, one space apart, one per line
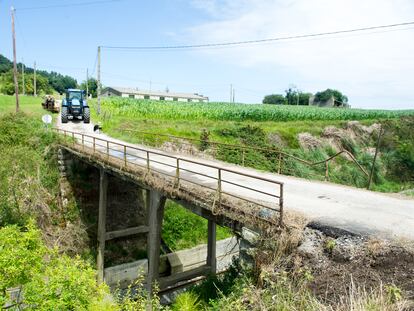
275 99
187 301
48 281
328 94
21 255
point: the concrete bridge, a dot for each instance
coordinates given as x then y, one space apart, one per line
223 196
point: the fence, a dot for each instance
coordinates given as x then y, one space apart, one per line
223 181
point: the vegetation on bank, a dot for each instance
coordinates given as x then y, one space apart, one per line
38 271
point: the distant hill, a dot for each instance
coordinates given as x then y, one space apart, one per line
47 82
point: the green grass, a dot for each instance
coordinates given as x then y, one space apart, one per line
28 104
182 229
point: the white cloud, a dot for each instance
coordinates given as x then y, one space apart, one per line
366 67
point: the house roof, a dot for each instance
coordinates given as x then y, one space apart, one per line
136 91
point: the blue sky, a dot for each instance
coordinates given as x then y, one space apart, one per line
375 70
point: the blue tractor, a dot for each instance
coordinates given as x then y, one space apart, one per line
74 106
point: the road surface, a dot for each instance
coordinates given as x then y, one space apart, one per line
356 210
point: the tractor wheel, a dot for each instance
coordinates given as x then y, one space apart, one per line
64 115
86 115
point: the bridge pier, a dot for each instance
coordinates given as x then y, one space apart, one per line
155 211
103 196
211 247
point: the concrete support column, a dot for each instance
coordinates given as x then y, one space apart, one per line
155 211
103 187
211 247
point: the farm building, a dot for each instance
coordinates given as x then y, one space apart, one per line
154 95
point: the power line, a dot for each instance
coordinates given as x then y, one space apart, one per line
66 5
248 42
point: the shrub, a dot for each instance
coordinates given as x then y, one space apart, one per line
274 99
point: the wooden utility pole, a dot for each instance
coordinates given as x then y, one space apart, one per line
34 80
231 92
16 84
234 95
99 80
23 85
87 83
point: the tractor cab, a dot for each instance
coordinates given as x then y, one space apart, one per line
74 94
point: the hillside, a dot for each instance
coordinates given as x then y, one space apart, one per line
47 82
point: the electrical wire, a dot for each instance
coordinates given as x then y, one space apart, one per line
66 5
258 41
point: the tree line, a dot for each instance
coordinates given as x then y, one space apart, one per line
46 82
294 96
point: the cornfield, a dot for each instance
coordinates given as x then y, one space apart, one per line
238 112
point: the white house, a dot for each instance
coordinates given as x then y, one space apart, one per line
154 95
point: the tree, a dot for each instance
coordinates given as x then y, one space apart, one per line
304 99
292 95
274 99
328 94
7 84
92 86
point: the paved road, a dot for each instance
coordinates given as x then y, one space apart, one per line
356 210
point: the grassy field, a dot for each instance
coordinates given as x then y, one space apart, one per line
28 104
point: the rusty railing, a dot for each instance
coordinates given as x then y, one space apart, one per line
279 154
250 188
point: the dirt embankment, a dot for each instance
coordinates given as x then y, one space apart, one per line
338 259
336 265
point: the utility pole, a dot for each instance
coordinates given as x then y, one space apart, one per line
34 80
16 85
87 83
234 94
231 92
99 80
23 85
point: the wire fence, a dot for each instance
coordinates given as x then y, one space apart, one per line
280 158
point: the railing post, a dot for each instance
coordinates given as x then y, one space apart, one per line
177 173
107 149
148 161
281 205
219 185
125 156
279 170
94 145
326 171
243 156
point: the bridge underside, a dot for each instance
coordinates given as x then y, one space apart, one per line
153 191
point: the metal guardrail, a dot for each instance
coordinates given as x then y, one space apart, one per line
281 155
152 160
